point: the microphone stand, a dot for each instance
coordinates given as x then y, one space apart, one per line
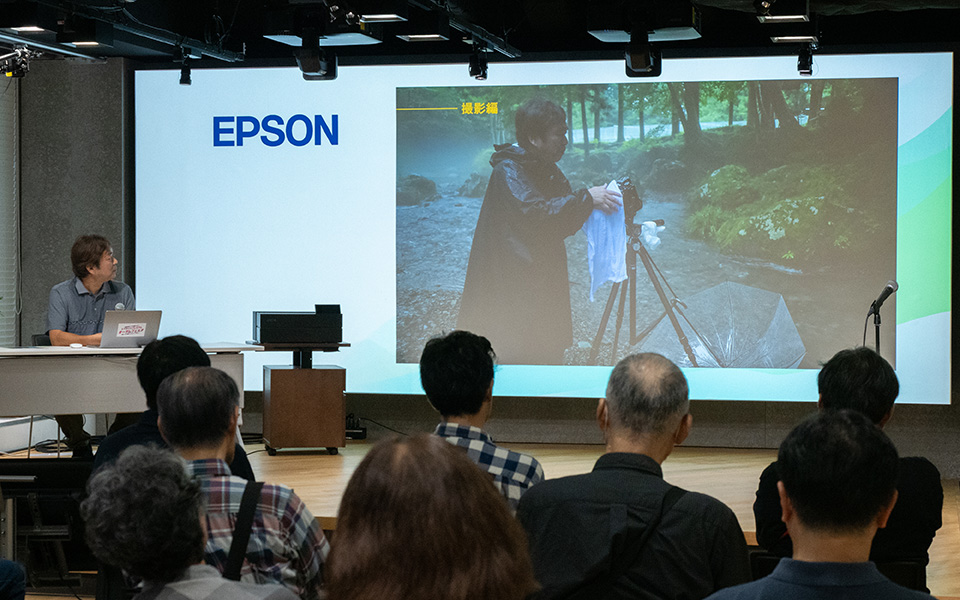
876 324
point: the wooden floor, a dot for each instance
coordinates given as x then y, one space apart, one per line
730 475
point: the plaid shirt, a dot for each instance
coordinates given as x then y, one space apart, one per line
286 544
512 472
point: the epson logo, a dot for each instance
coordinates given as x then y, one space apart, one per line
298 130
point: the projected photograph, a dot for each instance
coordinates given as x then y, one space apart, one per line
758 219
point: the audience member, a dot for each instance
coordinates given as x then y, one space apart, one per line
621 531
838 477
419 521
143 515
198 409
159 359
13 581
861 380
456 372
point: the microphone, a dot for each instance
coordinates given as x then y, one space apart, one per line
888 289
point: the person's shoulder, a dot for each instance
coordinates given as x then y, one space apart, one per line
559 490
134 435
510 161
225 589
64 286
744 591
918 466
281 498
119 287
767 483
112 445
896 591
919 482
772 470
523 466
259 591
706 509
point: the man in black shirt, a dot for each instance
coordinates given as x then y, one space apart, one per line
861 380
621 531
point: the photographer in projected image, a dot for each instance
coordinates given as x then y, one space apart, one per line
517 291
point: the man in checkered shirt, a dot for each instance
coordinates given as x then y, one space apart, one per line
198 417
456 372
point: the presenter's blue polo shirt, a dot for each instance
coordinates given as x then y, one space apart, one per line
74 309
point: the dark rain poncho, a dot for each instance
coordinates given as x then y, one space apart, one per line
517 291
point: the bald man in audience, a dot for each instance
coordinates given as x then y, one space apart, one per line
621 531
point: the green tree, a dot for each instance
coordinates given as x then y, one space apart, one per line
685 100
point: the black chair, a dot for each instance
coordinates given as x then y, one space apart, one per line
40 339
41 502
908 573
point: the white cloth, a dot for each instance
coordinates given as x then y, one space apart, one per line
606 245
650 234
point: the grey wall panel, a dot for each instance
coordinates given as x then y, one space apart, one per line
73 177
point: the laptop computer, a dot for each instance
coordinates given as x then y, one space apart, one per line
129 328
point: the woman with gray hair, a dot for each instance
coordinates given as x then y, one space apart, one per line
143 514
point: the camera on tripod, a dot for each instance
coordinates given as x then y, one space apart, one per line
632 203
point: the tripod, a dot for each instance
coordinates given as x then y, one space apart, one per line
672 305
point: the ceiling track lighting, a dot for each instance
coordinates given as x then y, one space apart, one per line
491 42
805 59
28 17
183 56
37 47
429 26
316 63
782 11
16 64
384 11
478 61
80 31
642 59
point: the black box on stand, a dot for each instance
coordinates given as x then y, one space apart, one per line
324 326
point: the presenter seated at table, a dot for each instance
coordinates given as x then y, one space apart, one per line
76 311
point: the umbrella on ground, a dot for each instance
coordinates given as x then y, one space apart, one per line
730 325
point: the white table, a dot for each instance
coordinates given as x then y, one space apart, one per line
48 380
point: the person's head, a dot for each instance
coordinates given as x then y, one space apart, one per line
93 255
456 372
164 357
198 408
859 379
838 472
647 395
142 514
446 529
542 128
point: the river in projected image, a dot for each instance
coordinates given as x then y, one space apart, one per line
778 200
